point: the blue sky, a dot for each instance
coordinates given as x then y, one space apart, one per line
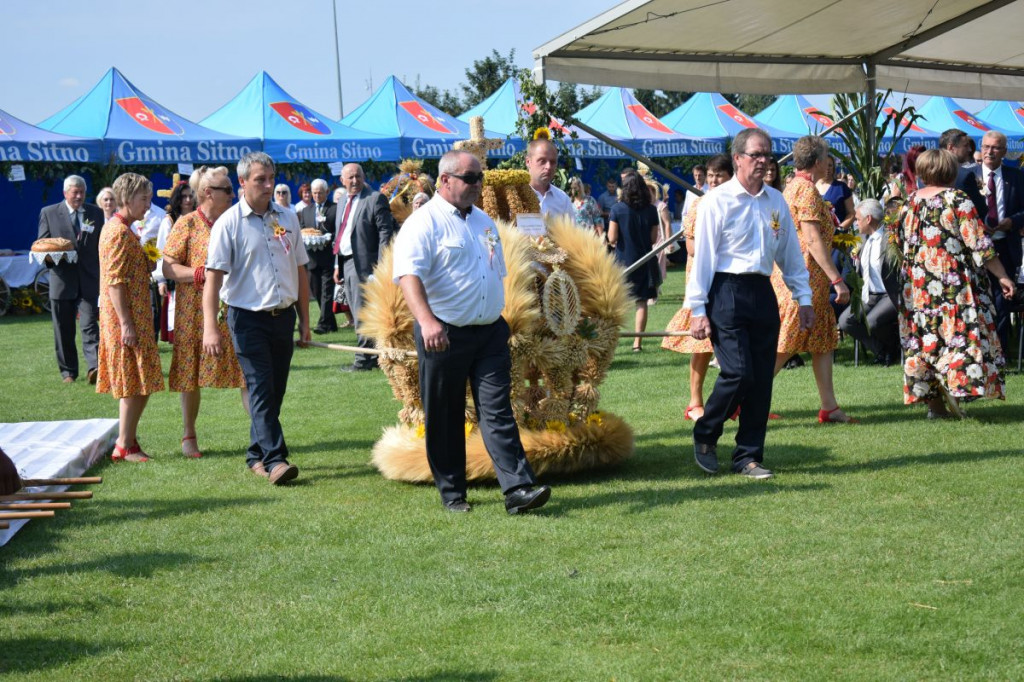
192 56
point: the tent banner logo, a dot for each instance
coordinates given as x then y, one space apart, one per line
145 116
821 119
300 117
425 117
970 120
736 115
6 127
649 119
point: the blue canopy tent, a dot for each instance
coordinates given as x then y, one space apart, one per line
421 129
795 115
917 134
24 142
292 132
135 129
710 116
1007 117
619 115
943 113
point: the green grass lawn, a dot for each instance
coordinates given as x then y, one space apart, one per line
884 550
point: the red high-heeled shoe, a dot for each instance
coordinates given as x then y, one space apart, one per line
192 455
132 454
825 417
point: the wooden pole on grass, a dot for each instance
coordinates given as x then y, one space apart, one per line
26 515
19 506
66 495
79 480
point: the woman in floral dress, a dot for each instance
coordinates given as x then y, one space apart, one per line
185 263
700 351
947 320
816 224
588 214
129 364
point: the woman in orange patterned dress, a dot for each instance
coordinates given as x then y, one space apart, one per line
816 225
185 263
700 351
129 364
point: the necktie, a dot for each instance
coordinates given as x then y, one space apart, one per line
344 223
865 268
992 217
77 225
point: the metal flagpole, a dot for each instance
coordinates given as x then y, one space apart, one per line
337 60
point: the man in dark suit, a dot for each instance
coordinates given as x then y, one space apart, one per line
364 226
1003 215
878 329
320 215
960 143
75 287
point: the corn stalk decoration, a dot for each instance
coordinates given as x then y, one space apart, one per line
869 158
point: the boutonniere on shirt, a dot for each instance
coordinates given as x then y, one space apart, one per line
491 237
88 225
282 235
321 214
982 187
776 224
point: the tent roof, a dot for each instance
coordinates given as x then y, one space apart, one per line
942 113
291 131
500 110
137 129
961 48
422 130
709 115
1007 116
795 115
21 141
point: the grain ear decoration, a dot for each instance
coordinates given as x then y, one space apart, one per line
601 282
561 303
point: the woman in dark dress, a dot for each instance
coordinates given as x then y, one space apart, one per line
632 230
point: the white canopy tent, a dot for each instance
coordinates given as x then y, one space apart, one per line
956 48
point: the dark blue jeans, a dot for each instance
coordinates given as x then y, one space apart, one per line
264 344
744 316
479 354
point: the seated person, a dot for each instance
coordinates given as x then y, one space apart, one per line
878 330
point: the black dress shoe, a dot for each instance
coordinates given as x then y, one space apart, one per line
321 330
524 499
459 506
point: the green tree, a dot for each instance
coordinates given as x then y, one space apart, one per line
752 105
445 100
661 102
487 75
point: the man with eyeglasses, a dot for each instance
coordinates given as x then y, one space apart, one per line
257 257
363 227
542 164
743 228
449 263
1003 216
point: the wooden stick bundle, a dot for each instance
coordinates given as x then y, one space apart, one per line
19 506
66 495
80 480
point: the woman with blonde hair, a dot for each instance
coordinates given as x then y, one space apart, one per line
719 170
947 318
105 200
664 229
129 364
588 214
815 224
185 264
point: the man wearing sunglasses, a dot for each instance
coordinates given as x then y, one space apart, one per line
449 263
743 228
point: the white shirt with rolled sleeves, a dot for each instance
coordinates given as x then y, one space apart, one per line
261 273
734 234
555 202
460 262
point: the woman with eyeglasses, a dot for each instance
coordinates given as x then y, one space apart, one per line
816 225
283 196
185 264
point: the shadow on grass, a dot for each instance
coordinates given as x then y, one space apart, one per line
29 654
127 565
119 512
933 458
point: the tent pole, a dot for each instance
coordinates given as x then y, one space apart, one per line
869 96
337 59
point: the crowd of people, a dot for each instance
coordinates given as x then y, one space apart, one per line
234 279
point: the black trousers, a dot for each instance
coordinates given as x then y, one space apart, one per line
881 333
321 281
479 354
1010 257
264 344
63 313
744 316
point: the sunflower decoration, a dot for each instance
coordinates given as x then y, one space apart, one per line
152 252
542 133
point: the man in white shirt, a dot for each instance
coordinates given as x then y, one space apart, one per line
449 263
877 329
542 163
256 254
742 229
700 177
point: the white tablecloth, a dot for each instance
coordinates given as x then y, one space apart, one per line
18 270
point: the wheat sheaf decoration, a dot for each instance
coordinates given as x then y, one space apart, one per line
565 301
